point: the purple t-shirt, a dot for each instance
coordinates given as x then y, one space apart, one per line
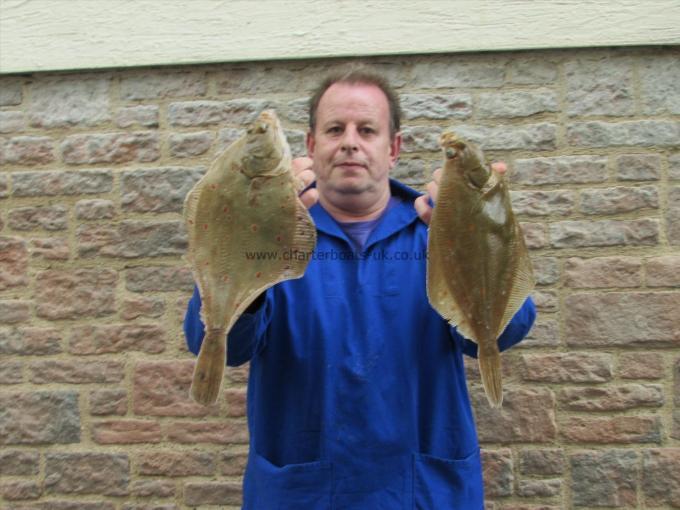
358 231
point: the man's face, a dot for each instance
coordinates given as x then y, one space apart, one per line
351 145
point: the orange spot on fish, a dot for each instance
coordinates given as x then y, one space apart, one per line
205 226
253 227
225 279
213 186
258 274
226 209
191 222
278 238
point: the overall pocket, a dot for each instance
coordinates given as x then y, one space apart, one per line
448 484
289 487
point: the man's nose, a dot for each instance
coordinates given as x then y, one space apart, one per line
350 140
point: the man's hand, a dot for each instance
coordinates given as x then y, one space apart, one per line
422 203
302 169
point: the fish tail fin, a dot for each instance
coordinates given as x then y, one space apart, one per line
490 369
209 370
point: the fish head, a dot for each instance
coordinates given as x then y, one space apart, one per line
465 158
266 147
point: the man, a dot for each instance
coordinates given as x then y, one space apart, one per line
357 396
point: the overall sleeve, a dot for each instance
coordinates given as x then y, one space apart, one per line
514 332
246 337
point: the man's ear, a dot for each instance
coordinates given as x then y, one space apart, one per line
310 142
395 149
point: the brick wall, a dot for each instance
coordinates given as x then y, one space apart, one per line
94 375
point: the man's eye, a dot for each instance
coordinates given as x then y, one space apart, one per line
367 130
334 130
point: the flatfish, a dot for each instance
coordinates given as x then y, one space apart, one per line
247 231
478 270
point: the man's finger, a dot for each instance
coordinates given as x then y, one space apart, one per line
432 190
423 208
307 177
310 197
499 166
301 164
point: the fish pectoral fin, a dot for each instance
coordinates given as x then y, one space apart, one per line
209 369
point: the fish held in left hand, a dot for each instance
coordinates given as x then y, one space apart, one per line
243 217
478 271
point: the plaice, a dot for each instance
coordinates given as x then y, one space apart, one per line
247 231
478 272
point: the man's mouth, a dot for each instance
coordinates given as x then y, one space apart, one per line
350 165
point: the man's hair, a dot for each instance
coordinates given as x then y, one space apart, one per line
354 75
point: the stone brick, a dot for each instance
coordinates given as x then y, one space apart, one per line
663 271
161 388
412 171
19 463
238 375
12 122
111 338
497 473
54 217
599 233
132 239
13 311
207 432
81 182
296 140
545 300
638 167
544 333
543 203
10 91
108 401
622 319
675 431
50 248
227 136
66 102
612 429
76 372
535 235
95 209
137 116
166 463
107 474
260 78
600 87
530 71
674 166
530 137
39 417
603 272
546 270
619 200
236 402
140 306
188 145
571 367
65 505
13 490
159 279
146 488
421 138
13 262
527 415
642 133
74 294
559 170
660 84
11 372
233 463
26 150
158 189
541 462
436 106
611 398
661 477
32 341
604 478
539 488
158 85
450 73
212 493
493 105
126 432
296 111
4 188
641 365
207 113
673 216
676 387
83 149
150 506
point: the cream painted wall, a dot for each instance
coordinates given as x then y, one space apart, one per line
41 35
